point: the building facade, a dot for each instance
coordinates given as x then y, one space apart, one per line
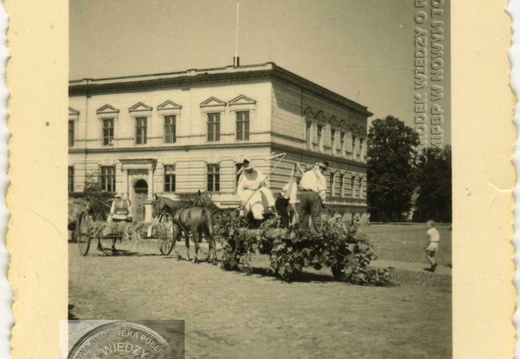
182 132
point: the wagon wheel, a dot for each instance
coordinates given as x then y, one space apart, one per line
84 233
167 239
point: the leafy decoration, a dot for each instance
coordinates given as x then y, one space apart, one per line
335 246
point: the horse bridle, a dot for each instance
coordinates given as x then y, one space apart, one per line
164 207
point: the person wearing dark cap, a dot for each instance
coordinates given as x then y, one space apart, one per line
314 191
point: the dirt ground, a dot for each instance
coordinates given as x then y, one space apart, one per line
233 315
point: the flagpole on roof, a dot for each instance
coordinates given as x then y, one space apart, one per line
236 59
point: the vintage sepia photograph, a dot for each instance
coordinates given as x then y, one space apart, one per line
278 175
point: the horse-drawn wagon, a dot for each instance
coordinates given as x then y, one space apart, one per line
91 228
335 245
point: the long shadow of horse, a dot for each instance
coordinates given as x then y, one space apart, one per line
125 253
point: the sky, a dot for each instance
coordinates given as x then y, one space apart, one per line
360 49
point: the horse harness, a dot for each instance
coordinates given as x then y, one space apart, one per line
173 213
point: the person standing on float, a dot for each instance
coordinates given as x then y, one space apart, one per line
314 192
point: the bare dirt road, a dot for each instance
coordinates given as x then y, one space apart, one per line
233 315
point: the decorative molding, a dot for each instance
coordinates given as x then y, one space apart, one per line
321 117
107 109
140 107
242 100
309 114
212 102
137 172
73 112
168 105
145 164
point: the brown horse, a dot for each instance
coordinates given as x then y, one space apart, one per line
196 220
81 209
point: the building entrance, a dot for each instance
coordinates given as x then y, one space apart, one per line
140 195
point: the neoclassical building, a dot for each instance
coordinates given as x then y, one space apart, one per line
186 131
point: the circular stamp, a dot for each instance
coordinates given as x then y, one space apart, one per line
122 340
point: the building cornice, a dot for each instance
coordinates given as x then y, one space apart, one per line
266 71
309 86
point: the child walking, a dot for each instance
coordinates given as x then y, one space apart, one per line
433 244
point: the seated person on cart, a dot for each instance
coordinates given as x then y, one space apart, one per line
121 210
256 199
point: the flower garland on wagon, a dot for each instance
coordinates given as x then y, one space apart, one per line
290 251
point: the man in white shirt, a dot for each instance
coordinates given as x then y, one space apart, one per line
314 192
253 194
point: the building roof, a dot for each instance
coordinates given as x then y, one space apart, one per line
190 76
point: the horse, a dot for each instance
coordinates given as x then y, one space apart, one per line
194 219
80 209
203 200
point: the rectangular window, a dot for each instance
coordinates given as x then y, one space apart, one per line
140 130
308 133
108 131
71 133
108 178
332 184
214 126
238 173
71 179
332 140
342 186
353 187
170 129
243 125
213 177
169 178
354 139
320 130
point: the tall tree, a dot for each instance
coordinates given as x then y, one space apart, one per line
434 186
391 177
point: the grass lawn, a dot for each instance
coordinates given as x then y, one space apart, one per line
407 242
